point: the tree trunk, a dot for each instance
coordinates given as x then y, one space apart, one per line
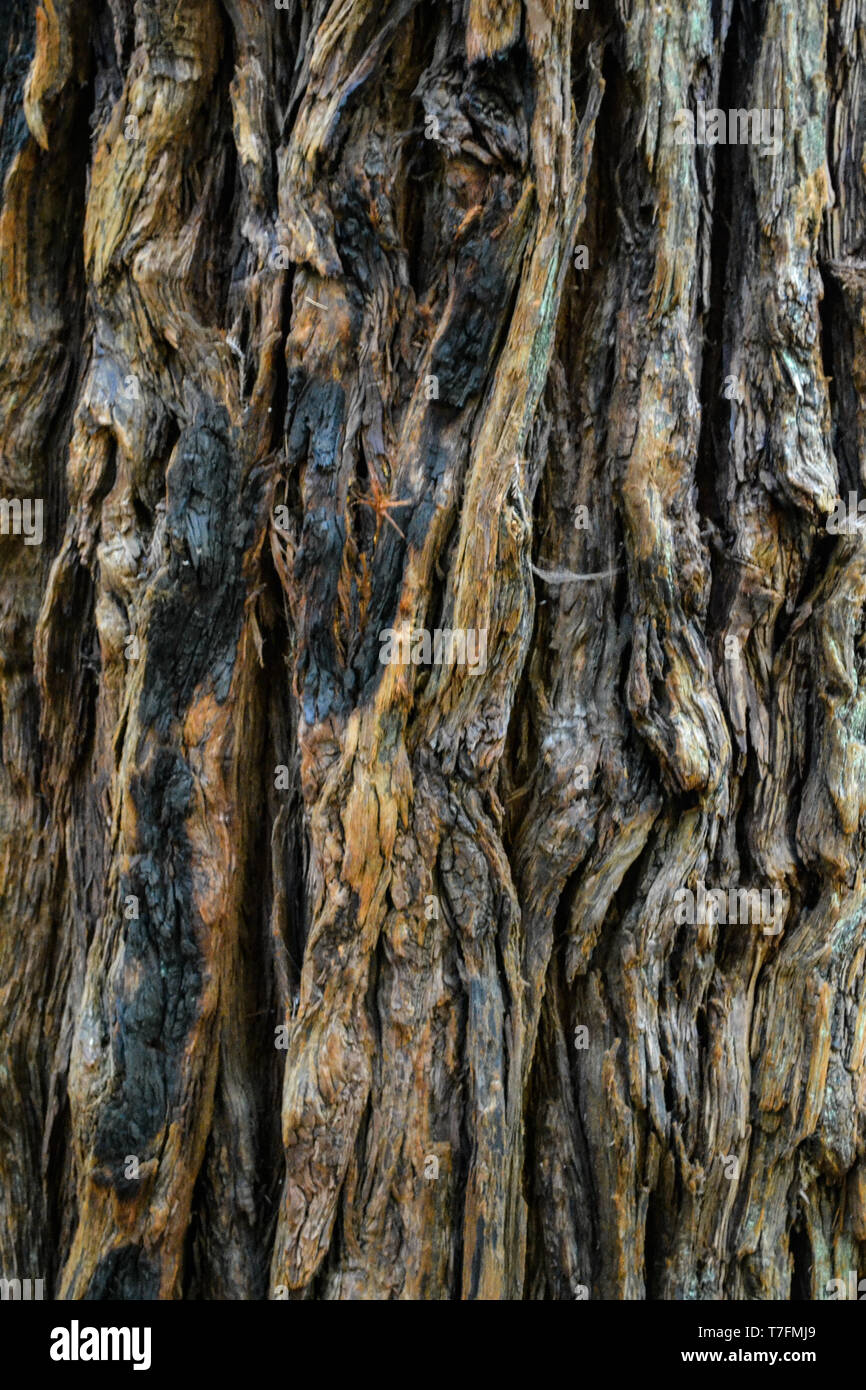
340 958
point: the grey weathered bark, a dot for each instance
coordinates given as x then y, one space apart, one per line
332 978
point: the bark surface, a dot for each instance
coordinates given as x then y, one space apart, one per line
323 977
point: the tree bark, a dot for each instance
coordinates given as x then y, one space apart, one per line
327 976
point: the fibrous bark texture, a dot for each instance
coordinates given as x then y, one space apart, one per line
326 324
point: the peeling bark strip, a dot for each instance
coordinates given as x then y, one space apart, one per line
534 334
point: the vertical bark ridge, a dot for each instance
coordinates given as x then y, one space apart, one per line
42 162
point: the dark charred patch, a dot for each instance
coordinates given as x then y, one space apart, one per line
195 613
125 1274
482 287
189 643
17 41
314 422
